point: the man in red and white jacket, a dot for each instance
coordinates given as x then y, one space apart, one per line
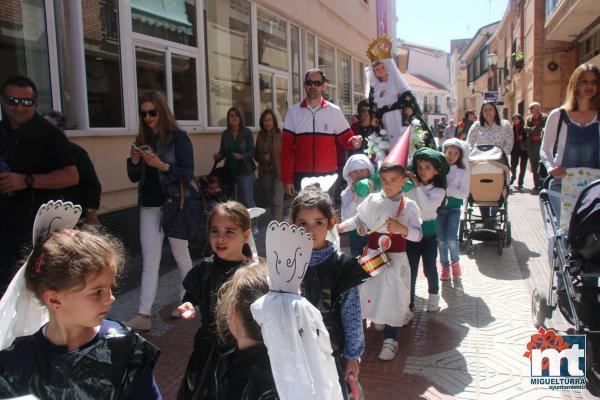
311 130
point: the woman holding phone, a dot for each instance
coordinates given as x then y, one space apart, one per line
161 158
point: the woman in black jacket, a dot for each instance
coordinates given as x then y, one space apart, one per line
162 162
519 153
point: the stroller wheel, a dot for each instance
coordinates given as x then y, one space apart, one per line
461 231
469 246
508 235
539 308
592 368
500 246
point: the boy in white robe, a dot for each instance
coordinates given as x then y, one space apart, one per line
391 219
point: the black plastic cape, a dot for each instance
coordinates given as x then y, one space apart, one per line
246 375
109 367
325 285
202 284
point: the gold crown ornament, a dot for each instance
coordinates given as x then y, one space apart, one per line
380 49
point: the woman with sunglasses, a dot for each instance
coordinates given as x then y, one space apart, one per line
161 157
237 148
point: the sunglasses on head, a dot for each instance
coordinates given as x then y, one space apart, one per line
309 82
152 113
15 101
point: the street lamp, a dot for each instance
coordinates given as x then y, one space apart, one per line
493 60
472 87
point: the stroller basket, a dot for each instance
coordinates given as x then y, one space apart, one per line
490 174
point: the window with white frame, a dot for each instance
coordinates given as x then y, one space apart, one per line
344 69
164 33
172 20
271 40
228 59
327 65
295 56
90 68
358 74
310 51
24 46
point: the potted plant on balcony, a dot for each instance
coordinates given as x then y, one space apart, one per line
518 59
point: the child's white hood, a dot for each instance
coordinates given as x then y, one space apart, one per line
357 161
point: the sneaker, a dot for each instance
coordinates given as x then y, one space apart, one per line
388 350
140 323
433 303
445 273
455 270
175 313
379 327
409 317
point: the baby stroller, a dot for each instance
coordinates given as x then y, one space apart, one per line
490 175
574 284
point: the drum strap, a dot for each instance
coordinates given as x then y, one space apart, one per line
398 241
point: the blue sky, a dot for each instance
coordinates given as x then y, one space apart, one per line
435 22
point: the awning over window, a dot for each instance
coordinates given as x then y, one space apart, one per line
166 14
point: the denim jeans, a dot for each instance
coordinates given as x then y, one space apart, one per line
357 243
554 192
534 161
426 248
447 224
244 184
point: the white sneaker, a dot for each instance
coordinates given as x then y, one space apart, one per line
379 327
409 317
388 350
433 303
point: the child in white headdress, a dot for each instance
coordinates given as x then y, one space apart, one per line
55 340
357 168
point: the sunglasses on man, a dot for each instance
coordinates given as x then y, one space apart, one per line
309 82
15 101
152 113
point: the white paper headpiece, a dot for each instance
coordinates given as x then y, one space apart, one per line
20 311
324 181
288 254
254 212
293 331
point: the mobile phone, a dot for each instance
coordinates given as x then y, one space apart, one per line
134 147
145 147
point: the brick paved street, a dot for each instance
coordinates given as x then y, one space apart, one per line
472 349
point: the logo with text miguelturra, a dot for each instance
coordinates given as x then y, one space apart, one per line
557 361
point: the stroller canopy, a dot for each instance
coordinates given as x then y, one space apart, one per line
585 221
488 152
